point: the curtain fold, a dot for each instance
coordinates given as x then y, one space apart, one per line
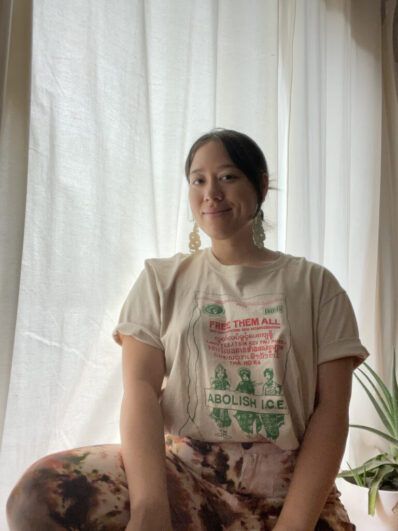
5 30
15 20
92 149
387 301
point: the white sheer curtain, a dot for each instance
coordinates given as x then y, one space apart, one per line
15 25
330 156
119 90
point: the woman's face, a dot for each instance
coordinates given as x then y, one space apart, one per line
220 373
268 377
222 199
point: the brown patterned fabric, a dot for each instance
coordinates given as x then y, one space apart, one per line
211 486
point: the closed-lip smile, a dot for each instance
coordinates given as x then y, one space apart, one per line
217 211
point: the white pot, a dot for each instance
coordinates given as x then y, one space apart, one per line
355 500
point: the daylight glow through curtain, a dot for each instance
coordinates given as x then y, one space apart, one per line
116 98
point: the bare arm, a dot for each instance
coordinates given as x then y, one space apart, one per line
321 450
142 436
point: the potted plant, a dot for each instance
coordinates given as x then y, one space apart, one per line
378 477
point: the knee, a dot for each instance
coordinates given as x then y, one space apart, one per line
70 490
11 510
16 510
30 503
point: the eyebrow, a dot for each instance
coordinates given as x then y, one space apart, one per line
223 166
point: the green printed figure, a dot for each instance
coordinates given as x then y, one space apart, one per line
270 387
272 422
221 416
246 385
246 419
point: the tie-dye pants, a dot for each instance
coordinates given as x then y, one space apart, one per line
227 486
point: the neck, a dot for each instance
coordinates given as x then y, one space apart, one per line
237 253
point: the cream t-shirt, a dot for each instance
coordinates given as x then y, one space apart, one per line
242 344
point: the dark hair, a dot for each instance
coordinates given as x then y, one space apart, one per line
244 153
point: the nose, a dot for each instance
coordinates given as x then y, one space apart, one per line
213 190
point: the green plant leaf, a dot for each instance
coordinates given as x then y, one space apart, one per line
382 385
390 439
369 466
386 405
358 480
374 487
386 417
394 388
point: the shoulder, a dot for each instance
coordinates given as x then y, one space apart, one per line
305 266
165 270
168 265
312 275
165 263
302 263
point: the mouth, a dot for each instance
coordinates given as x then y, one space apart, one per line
218 213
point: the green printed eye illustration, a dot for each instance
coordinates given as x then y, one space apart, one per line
213 309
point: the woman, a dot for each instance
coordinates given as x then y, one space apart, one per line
258 349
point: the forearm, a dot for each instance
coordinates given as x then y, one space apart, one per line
315 471
142 436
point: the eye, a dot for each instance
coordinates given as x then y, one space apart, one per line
196 180
228 177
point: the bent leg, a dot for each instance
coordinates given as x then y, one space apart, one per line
83 488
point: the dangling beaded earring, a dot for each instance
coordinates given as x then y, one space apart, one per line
194 239
258 231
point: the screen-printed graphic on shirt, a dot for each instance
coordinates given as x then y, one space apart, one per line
252 413
238 352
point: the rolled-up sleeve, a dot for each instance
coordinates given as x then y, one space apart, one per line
337 329
140 315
